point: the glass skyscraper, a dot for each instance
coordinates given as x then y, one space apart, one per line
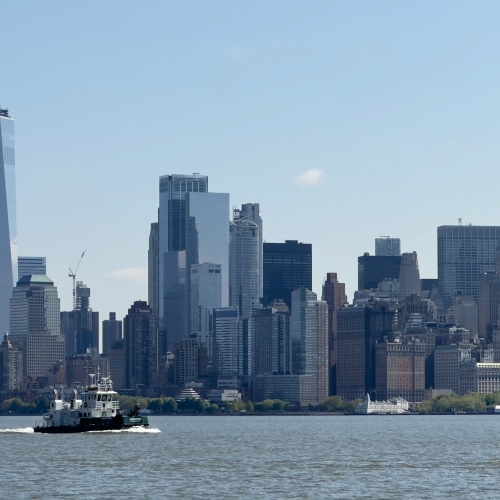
8 230
173 276
31 265
464 253
246 260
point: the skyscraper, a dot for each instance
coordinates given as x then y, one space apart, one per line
205 297
272 348
8 229
246 260
35 324
334 295
464 254
385 245
31 265
141 347
111 332
229 346
207 234
372 269
80 327
287 266
409 275
309 334
153 268
172 271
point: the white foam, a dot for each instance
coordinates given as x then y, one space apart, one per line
23 430
140 430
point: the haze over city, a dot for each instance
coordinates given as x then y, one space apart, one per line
344 121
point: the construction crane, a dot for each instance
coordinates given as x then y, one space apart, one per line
73 275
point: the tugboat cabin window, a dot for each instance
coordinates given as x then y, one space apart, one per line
104 397
99 397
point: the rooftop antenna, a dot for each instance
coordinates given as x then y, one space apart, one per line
73 275
460 221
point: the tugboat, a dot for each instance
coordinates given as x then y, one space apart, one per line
97 409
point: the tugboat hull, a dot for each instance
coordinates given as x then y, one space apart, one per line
96 424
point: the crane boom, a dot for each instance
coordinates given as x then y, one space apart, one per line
73 275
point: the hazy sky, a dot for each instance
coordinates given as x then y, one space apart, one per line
345 120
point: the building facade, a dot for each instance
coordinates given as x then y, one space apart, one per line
35 324
372 269
111 332
287 266
246 260
172 270
309 335
464 254
228 346
31 265
141 347
409 275
387 246
334 295
206 295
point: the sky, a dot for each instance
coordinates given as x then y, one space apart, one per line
344 120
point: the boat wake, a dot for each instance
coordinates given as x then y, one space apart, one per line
23 430
131 430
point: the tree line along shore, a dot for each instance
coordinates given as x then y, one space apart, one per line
471 403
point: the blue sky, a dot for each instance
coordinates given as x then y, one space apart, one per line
344 120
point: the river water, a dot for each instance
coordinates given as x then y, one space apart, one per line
265 457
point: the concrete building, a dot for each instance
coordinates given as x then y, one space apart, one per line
8 225
191 360
360 327
35 324
395 406
483 378
115 358
309 334
271 342
154 268
447 362
80 327
400 369
409 275
287 266
334 295
141 347
11 367
111 332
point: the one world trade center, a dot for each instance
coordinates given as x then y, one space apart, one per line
8 231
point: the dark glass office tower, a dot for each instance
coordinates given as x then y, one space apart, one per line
372 269
287 266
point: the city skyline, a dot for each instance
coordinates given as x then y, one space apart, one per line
337 105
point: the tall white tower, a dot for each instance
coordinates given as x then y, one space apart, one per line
8 230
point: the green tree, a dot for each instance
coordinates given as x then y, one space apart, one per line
169 406
249 407
333 403
155 405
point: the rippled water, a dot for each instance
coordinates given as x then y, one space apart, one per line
271 457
